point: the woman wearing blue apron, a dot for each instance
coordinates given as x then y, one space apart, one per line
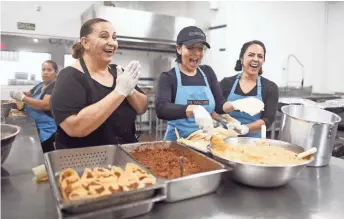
189 94
37 105
250 83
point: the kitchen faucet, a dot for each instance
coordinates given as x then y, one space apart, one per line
287 69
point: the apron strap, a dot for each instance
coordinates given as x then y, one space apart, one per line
259 88
38 88
204 77
235 84
84 67
179 80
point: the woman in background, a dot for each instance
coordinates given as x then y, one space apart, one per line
250 83
37 105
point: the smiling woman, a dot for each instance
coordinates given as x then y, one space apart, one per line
95 102
187 94
250 83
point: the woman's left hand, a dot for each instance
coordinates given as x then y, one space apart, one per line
17 95
120 71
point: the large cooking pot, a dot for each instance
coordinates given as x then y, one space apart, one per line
259 175
8 135
309 127
6 106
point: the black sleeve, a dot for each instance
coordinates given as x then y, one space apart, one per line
69 95
215 89
165 109
226 85
270 102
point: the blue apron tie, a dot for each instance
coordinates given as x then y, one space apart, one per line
185 94
244 117
45 124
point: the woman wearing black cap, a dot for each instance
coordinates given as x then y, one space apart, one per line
187 94
250 83
95 102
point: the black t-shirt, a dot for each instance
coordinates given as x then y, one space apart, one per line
47 91
166 108
270 95
74 91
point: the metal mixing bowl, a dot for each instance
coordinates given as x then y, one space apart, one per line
259 175
8 134
6 106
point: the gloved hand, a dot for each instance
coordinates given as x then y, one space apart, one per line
127 80
241 129
203 118
17 95
250 105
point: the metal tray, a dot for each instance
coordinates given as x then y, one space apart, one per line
188 186
123 211
90 157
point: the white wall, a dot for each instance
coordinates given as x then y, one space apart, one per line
334 73
284 27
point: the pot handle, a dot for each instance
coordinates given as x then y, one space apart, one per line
309 137
329 134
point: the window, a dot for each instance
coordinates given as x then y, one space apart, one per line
25 62
68 60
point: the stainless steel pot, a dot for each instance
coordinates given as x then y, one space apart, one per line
8 135
260 175
6 106
308 127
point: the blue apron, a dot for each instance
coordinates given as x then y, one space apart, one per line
45 124
184 95
244 117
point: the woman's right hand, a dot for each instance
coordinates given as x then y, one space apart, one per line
127 80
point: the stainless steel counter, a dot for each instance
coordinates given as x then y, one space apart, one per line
316 193
26 151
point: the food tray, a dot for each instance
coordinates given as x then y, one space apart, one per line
90 157
121 211
188 186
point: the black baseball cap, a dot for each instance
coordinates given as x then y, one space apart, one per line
191 35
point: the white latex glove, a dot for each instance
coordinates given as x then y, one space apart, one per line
203 118
242 128
17 95
250 105
127 80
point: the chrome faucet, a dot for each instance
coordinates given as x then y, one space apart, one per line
287 69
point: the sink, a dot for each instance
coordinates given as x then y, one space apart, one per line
322 97
306 93
294 92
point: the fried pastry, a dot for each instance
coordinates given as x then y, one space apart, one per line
102 181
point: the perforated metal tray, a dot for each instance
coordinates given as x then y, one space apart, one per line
187 186
100 156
